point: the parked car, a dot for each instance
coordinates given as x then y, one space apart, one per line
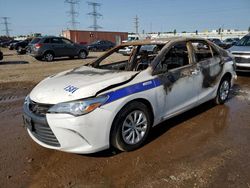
230 41
101 45
12 44
115 100
6 43
126 50
241 53
1 55
219 43
47 48
20 47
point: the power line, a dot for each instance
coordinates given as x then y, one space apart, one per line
95 15
72 12
6 24
136 22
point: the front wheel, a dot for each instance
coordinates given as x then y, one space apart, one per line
223 91
82 55
131 127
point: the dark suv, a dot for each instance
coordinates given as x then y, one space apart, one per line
101 45
47 48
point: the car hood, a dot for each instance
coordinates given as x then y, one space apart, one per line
76 84
243 49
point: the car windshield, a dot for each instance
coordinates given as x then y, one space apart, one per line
245 41
140 58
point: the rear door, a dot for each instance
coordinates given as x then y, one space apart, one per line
58 46
210 67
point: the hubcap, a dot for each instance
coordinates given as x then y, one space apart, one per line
82 55
134 127
224 90
49 57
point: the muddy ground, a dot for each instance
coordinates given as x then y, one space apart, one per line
205 147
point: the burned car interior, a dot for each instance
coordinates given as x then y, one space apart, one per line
139 59
142 55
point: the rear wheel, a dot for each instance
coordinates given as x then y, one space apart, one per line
48 56
223 91
131 127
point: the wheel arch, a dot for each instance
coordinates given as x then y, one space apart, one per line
82 50
142 100
227 75
51 51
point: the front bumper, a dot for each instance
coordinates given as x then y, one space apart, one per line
242 62
83 134
243 67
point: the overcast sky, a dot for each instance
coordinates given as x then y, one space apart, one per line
49 16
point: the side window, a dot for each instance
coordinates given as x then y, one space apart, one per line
46 41
201 50
56 41
176 57
66 41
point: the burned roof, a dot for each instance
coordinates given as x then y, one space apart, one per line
159 41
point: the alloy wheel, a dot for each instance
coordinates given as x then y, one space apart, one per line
134 127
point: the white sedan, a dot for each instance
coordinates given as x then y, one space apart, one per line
115 100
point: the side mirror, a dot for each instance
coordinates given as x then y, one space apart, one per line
160 70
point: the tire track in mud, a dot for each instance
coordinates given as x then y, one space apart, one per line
10 98
10 103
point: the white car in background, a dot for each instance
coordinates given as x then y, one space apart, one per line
127 50
117 99
241 53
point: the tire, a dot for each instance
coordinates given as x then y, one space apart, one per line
38 58
82 55
48 56
19 50
125 131
223 91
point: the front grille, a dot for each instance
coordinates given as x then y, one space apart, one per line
242 60
39 109
35 120
243 69
44 134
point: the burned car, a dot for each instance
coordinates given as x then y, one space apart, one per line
115 100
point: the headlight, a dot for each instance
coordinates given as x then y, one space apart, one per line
79 107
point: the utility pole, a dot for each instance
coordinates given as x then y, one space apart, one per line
72 12
136 21
95 15
6 25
